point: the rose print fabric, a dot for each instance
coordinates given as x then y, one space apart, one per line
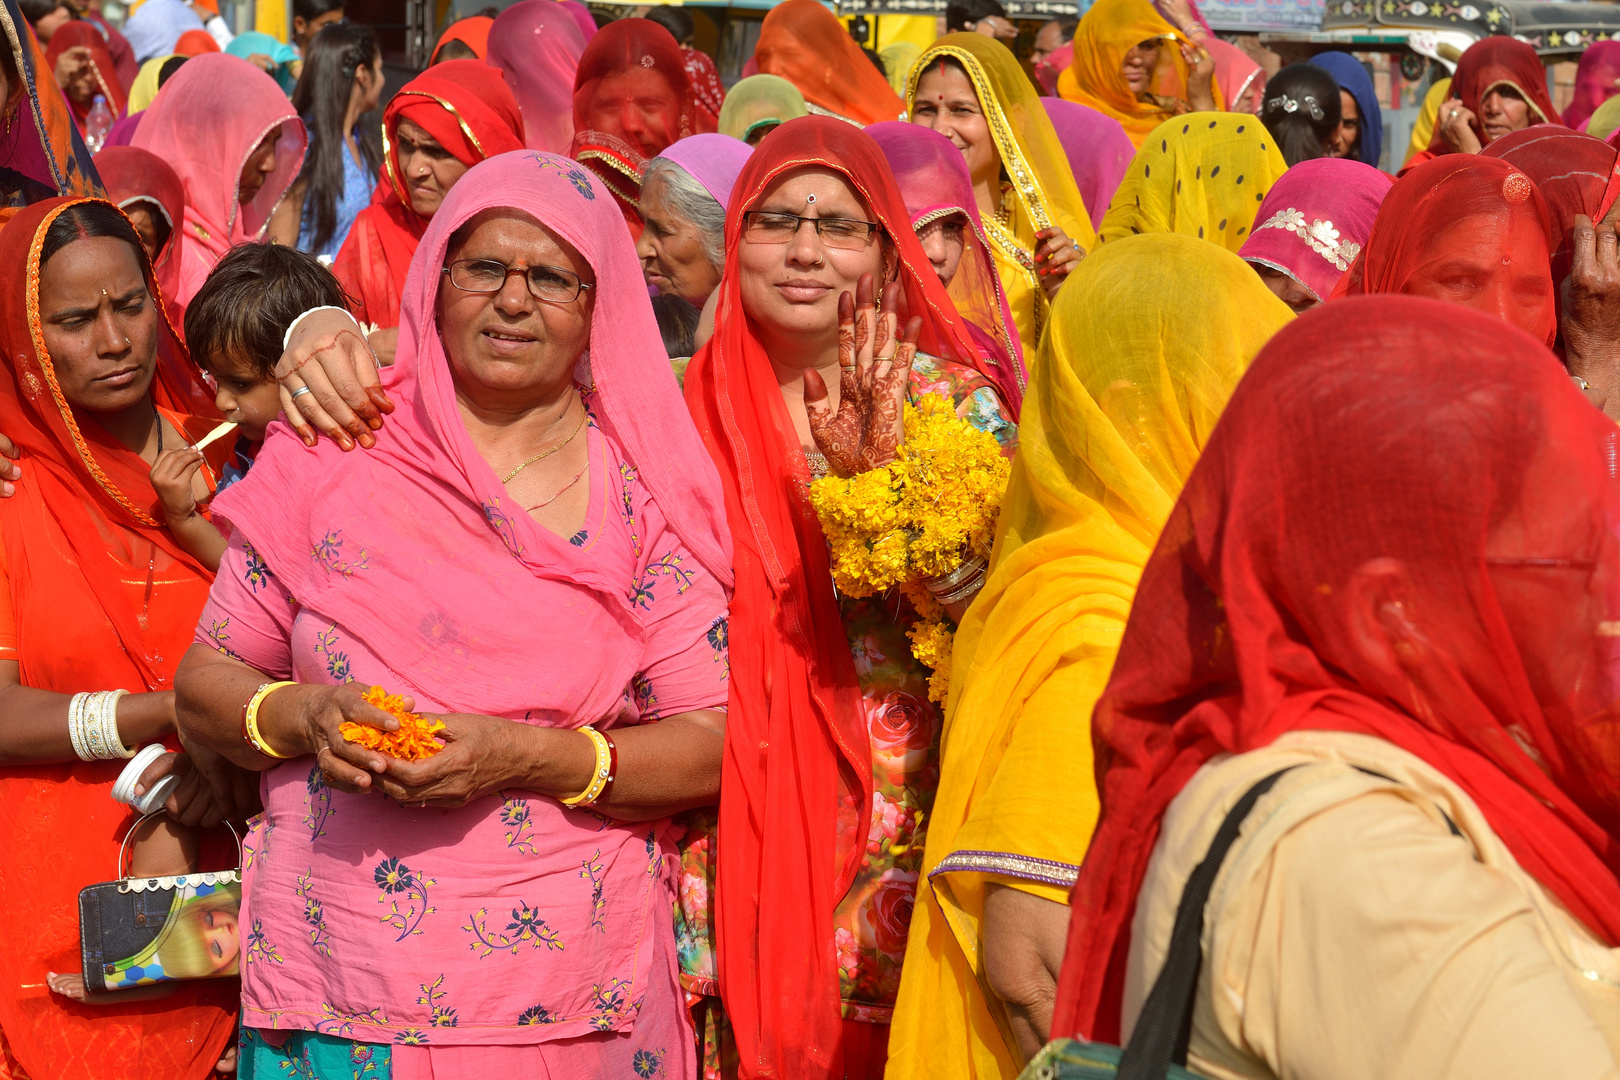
511 926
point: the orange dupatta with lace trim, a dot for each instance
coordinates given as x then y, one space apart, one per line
104 598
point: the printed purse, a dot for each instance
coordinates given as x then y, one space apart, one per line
141 931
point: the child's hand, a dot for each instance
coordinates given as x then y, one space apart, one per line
172 477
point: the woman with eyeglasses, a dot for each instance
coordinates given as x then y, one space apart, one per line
533 553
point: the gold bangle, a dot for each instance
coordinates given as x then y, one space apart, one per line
601 773
250 720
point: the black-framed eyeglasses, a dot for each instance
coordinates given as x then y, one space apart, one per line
551 284
844 234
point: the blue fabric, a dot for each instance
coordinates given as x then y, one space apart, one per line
1349 73
157 25
309 1055
358 183
241 461
280 54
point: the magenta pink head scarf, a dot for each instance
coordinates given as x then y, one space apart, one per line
422 515
1236 73
581 16
1098 150
206 122
1316 219
1595 82
934 182
713 160
537 45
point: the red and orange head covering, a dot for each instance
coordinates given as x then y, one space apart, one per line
472 32
82 34
467 108
1492 62
804 43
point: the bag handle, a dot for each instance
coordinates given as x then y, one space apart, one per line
1164 1028
123 848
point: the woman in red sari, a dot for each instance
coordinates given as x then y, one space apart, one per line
1433 887
831 742
97 595
96 74
439 125
631 100
1468 229
1500 87
151 195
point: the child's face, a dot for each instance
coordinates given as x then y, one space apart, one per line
220 934
243 397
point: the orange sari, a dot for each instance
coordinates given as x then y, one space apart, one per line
103 598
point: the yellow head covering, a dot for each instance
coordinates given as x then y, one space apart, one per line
1605 119
145 86
1202 174
757 101
1123 394
897 60
1423 130
1043 192
1095 77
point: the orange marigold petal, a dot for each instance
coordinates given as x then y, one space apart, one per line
414 741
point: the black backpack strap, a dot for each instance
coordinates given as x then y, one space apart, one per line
1165 1026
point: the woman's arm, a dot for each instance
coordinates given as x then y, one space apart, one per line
35 730
1023 937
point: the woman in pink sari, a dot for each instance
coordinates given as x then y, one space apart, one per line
938 192
537 45
534 549
230 133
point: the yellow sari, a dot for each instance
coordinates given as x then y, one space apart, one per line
145 86
1146 346
1423 130
1095 77
1040 190
1201 174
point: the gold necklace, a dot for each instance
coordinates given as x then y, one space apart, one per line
507 479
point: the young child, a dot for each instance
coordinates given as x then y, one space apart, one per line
234 327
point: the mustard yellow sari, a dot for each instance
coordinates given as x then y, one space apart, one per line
1146 345
1201 174
1039 191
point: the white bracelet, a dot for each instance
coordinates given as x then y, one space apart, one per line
287 337
76 726
109 725
93 726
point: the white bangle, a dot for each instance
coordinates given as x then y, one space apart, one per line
93 726
286 338
76 726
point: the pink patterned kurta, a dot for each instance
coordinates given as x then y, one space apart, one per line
509 923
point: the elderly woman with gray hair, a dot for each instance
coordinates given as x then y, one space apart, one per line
684 192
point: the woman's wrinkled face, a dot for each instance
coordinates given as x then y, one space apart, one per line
947 102
639 106
99 323
219 932
1502 111
943 241
792 289
427 169
1141 60
509 347
1347 137
1286 289
671 249
258 167
1495 266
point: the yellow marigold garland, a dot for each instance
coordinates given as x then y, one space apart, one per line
413 741
918 517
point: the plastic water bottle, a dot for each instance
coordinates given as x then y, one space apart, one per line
97 124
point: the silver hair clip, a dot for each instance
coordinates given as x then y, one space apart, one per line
1289 105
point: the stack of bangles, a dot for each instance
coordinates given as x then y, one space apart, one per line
603 772
93 726
960 583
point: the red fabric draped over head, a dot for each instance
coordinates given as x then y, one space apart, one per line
804 43
472 32
79 34
631 100
1597 79
793 683
466 106
1469 229
1575 173
1441 434
134 176
84 523
1498 61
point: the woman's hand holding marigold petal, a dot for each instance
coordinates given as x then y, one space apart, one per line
318 713
875 373
481 755
328 355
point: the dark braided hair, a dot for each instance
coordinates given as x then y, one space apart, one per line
322 99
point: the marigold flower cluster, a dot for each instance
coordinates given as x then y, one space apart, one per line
414 741
918 517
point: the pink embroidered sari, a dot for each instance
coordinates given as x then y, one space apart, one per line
536 44
511 936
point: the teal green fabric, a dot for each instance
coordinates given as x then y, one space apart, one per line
309 1055
280 54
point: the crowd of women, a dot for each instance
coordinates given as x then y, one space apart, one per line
1279 728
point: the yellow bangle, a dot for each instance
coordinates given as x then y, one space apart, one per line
600 774
250 720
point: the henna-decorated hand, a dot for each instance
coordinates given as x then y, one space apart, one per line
874 374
